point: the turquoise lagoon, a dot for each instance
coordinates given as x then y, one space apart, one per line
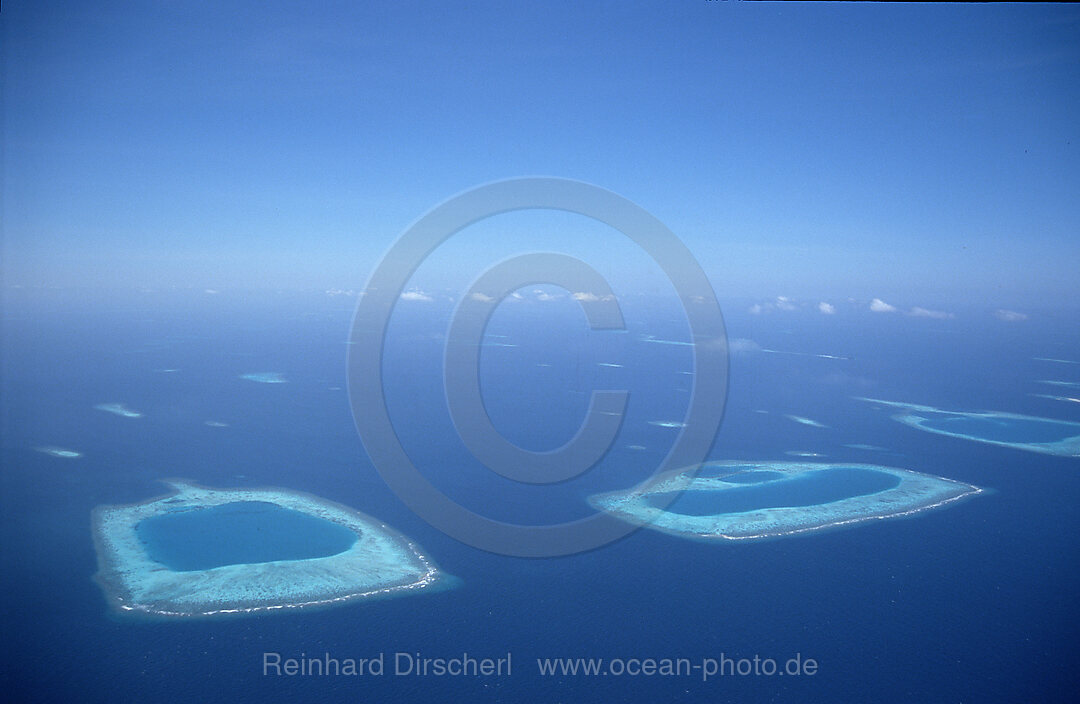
258 531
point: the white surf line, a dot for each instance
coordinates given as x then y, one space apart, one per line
806 354
1051 359
799 354
649 338
1060 383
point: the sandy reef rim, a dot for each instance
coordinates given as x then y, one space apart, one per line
381 563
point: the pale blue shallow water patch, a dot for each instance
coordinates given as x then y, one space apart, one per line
264 377
808 489
237 533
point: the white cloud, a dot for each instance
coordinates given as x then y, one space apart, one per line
416 296
545 296
210 291
590 297
780 303
482 297
516 296
879 306
918 312
826 308
1010 316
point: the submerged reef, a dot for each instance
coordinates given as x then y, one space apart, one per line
212 552
1032 433
747 500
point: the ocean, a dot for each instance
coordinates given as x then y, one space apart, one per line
971 602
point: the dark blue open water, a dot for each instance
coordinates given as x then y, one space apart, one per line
807 489
237 533
974 602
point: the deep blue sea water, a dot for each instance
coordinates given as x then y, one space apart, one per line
975 602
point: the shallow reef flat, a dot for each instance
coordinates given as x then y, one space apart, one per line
1035 434
1066 399
1075 384
262 550
264 377
60 452
118 409
805 421
741 500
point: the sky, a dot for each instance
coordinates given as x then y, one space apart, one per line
924 155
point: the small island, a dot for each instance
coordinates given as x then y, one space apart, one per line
202 552
754 500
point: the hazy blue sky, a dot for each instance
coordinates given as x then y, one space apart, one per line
927 154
